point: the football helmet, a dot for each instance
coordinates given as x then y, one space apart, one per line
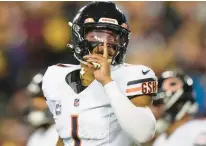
100 17
176 93
38 114
34 87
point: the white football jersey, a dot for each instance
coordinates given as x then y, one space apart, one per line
87 118
44 138
161 140
192 133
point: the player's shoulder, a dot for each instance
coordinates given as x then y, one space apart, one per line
54 77
136 67
56 71
193 124
196 126
61 68
135 79
136 71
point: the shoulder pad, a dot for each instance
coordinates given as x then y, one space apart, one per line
54 76
137 80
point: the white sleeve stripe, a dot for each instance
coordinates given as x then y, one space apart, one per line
134 86
140 81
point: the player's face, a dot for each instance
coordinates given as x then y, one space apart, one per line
101 36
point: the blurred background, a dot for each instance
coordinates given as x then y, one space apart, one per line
34 35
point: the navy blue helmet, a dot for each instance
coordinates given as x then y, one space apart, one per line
175 92
100 16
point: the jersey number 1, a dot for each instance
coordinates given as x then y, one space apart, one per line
74 130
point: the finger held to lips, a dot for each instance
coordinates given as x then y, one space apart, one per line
105 54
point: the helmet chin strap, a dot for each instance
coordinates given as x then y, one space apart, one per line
81 61
96 65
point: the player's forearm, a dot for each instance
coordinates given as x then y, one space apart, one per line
138 122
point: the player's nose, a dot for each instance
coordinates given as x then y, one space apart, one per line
110 50
109 47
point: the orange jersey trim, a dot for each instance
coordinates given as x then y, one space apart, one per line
133 89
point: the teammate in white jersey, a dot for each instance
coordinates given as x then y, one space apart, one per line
179 106
192 133
102 102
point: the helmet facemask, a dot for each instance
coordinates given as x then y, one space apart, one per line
91 35
175 93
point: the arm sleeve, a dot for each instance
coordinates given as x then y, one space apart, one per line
138 122
134 80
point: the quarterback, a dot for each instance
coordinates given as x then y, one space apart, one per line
102 101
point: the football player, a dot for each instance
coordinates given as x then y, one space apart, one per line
175 93
39 117
103 101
